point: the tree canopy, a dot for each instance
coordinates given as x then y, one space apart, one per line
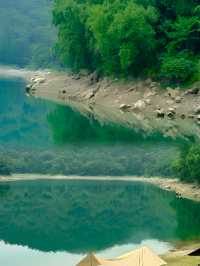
131 37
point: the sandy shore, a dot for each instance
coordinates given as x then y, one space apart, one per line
184 190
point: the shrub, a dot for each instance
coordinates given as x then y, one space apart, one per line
178 68
187 166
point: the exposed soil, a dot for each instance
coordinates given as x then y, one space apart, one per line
141 104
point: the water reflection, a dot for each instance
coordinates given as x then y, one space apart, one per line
53 139
83 216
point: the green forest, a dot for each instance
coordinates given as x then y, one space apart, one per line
156 38
26 33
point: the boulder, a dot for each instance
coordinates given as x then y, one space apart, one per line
190 116
28 88
76 77
172 110
148 94
133 88
160 113
148 82
140 105
125 107
178 99
173 93
153 84
169 102
197 110
171 115
193 91
148 101
89 95
39 80
183 116
94 77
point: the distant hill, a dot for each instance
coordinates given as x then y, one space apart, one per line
26 32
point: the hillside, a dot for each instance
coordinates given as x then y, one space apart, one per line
26 33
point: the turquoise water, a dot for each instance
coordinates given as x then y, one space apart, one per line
53 139
58 222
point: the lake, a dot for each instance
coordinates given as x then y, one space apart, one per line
57 222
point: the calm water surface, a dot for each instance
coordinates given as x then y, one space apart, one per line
57 222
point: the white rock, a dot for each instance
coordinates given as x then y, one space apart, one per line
147 101
178 99
89 95
39 80
125 107
140 104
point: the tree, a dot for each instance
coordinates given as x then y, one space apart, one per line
187 166
177 68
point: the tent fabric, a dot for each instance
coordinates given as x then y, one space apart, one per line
195 252
139 257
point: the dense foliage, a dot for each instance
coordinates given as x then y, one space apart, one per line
187 166
131 37
26 33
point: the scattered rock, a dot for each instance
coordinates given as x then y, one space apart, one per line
183 116
89 95
170 102
148 82
178 99
190 116
28 88
140 105
125 107
172 110
160 113
153 85
167 187
148 101
131 89
197 110
193 91
198 118
172 93
76 77
39 80
171 113
148 94
178 195
94 78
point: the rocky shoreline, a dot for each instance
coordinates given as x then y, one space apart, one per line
142 103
